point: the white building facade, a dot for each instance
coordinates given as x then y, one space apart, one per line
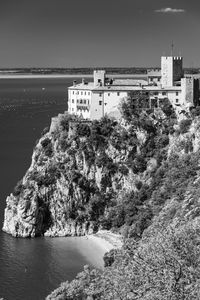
93 100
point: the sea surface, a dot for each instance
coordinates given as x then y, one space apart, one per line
31 268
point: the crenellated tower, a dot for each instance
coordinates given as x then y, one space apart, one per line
171 70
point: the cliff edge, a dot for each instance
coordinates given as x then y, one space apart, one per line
74 171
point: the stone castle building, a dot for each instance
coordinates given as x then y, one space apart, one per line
93 100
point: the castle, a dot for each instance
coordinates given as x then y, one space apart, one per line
93 100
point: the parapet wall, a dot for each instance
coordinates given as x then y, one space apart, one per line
55 121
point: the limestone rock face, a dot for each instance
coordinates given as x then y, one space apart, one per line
74 174
54 196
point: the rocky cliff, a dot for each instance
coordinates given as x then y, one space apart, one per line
160 258
61 193
86 175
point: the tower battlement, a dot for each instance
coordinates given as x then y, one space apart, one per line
171 69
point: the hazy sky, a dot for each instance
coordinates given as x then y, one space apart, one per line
81 33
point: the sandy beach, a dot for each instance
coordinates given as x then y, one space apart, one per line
106 240
92 247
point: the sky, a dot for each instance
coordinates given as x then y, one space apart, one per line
98 33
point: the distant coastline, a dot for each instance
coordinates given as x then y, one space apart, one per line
41 76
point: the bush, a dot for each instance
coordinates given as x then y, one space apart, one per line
184 125
18 188
97 206
139 164
123 170
65 124
47 146
162 141
44 131
64 144
109 258
83 129
45 142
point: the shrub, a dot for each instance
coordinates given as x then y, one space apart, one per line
18 188
162 141
109 258
44 131
97 206
65 124
123 170
45 142
83 129
184 125
105 182
138 184
64 144
117 216
47 146
131 107
139 164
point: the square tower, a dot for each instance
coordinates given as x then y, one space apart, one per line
190 91
171 70
99 77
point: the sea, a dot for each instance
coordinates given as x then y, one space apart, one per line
31 268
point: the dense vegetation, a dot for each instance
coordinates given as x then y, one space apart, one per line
158 214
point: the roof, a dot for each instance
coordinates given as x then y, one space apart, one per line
124 82
82 86
123 87
136 88
154 73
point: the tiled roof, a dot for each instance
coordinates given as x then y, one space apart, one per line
124 82
136 88
154 73
90 86
83 86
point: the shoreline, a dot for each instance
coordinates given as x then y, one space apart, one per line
106 240
45 76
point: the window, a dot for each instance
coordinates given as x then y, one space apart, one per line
118 93
151 78
81 93
176 93
81 101
85 93
176 100
72 109
84 101
108 94
155 93
100 94
72 100
158 79
88 93
100 102
164 93
77 93
73 92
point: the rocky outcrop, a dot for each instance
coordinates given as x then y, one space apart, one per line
81 170
54 197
